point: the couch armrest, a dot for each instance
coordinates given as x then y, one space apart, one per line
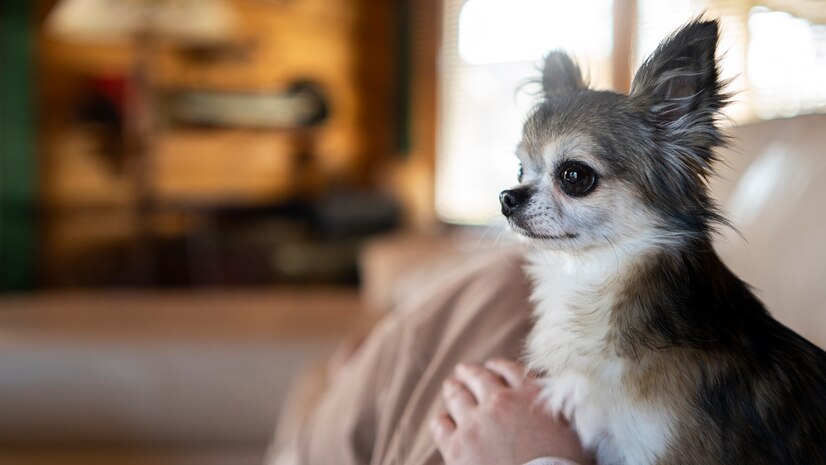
172 369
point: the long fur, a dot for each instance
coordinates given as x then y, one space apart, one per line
652 347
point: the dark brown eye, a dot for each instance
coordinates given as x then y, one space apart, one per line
520 173
576 179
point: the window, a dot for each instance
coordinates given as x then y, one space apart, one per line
786 64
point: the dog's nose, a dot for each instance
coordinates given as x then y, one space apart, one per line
511 199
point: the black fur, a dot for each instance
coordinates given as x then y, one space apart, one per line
761 392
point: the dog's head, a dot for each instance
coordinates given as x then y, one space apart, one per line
600 168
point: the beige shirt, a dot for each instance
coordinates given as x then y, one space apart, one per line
377 411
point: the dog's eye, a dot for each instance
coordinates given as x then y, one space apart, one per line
576 179
520 173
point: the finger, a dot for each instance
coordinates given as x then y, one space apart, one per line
512 372
458 400
481 382
441 427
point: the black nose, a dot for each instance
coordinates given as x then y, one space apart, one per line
511 200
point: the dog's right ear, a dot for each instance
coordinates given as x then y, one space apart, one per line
682 76
561 75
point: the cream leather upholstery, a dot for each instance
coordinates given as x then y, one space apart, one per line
774 192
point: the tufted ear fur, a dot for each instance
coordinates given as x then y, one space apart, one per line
561 74
680 85
681 77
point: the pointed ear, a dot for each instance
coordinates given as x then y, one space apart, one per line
560 74
681 76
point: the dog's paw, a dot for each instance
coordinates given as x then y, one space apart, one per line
562 395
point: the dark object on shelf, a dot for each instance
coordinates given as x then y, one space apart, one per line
209 54
101 109
353 213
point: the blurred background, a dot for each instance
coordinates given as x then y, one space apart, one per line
198 197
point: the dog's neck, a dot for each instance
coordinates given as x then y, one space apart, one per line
574 293
594 267
624 299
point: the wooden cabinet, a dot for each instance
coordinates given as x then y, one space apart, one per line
275 44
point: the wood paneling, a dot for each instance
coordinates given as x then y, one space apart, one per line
413 176
281 42
244 166
345 46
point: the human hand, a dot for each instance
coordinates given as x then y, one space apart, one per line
493 417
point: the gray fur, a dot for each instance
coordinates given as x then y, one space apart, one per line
561 74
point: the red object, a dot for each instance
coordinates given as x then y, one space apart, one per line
114 87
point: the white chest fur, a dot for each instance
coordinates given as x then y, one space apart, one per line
573 297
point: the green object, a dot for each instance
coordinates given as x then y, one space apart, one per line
17 208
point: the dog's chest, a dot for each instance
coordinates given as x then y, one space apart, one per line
571 342
572 308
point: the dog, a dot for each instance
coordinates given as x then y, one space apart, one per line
647 343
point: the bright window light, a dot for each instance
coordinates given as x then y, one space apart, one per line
786 63
493 31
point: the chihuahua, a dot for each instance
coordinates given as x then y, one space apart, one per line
648 344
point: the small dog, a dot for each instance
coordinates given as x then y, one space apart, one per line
651 347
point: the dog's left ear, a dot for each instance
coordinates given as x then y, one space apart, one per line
561 74
680 83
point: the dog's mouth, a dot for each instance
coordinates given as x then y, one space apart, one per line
548 237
